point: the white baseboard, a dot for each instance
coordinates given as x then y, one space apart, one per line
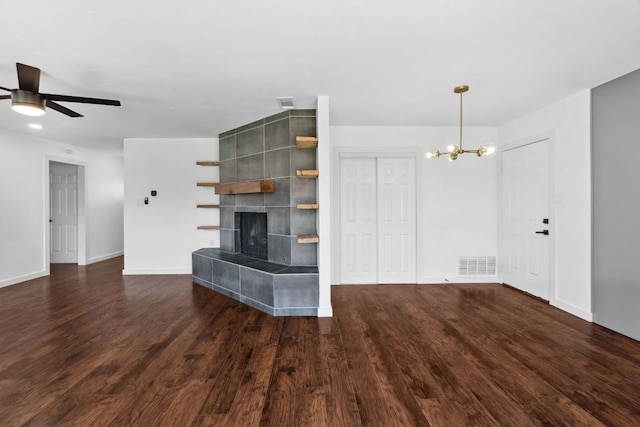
20 279
325 311
105 257
458 279
138 271
572 309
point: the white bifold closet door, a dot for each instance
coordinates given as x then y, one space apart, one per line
378 220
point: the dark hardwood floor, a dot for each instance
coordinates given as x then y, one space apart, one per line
88 347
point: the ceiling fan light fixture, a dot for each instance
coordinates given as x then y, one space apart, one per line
27 103
28 109
28 100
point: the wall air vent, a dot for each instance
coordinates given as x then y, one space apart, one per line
477 266
285 102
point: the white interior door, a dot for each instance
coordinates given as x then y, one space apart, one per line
396 220
358 222
377 220
63 181
525 198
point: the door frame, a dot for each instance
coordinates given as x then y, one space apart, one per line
552 197
377 152
82 210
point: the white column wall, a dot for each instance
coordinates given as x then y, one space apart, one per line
24 193
324 213
456 200
160 236
569 123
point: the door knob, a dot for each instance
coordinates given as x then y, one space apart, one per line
545 232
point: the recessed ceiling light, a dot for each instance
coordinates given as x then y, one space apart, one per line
285 102
35 125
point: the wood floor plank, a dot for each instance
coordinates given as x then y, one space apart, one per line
247 411
364 364
497 403
230 363
443 413
400 397
559 410
340 398
399 335
310 355
456 393
310 408
88 346
280 402
215 420
213 349
589 386
185 406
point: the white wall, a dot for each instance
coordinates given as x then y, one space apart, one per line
456 200
324 213
569 123
24 230
160 236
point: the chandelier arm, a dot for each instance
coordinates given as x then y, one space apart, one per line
461 122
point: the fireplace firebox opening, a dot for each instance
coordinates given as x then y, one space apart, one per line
253 234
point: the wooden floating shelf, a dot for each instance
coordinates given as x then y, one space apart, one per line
308 238
307 173
246 187
208 206
307 206
207 163
208 227
306 141
208 184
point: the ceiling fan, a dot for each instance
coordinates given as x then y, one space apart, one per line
28 100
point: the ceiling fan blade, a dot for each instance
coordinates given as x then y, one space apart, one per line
64 110
5 96
28 77
67 98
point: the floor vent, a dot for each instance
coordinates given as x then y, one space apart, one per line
477 266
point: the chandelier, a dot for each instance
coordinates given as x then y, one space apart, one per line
453 151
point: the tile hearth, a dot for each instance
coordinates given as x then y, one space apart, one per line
276 289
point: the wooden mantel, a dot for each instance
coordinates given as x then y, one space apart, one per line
246 187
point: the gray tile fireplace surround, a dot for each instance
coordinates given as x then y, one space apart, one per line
266 149
286 283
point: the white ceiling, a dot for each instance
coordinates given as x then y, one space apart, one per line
196 68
